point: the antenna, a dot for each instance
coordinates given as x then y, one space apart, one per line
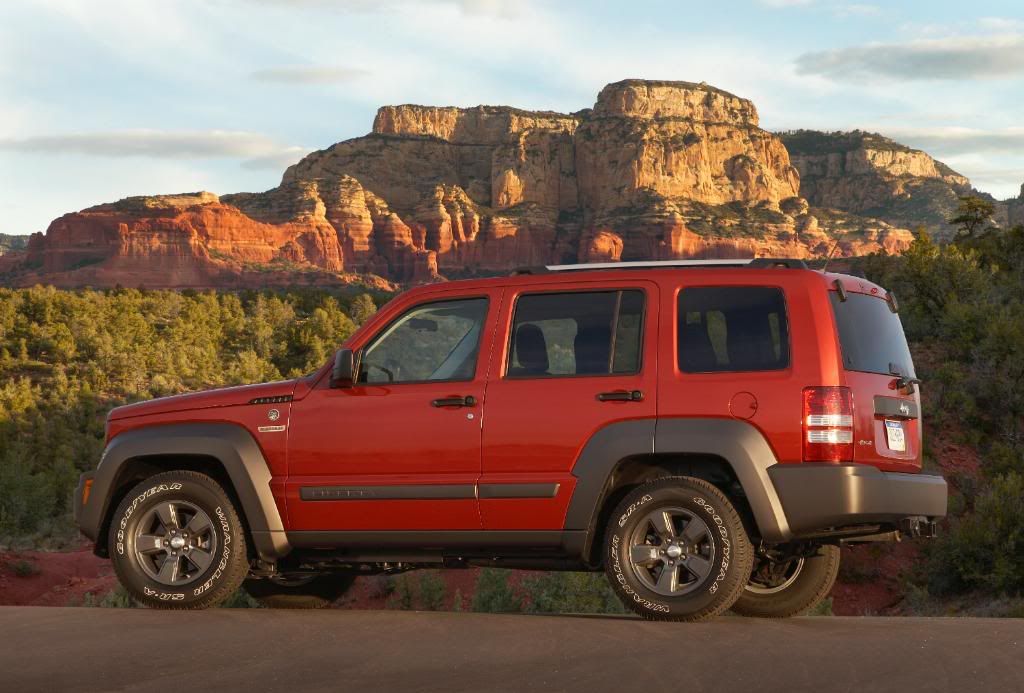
828 258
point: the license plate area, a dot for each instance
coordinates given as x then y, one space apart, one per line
895 436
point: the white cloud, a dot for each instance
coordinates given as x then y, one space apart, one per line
309 74
972 57
277 161
1001 24
954 141
159 144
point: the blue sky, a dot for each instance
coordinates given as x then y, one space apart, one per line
101 99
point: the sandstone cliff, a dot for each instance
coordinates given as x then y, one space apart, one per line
1015 209
654 170
868 174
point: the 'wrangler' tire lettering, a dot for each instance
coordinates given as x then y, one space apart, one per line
154 556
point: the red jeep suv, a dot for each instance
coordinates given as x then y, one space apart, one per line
707 433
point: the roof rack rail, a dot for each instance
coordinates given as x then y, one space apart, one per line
755 263
785 262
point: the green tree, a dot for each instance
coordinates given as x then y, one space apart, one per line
495 593
363 308
973 215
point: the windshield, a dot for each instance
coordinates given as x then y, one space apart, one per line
871 336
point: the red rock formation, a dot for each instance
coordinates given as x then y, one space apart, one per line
655 170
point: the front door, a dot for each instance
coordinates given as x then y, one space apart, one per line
573 361
401 448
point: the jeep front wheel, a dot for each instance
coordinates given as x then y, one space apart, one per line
676 550
301 592
177 542
780 589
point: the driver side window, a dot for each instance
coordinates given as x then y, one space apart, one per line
429 343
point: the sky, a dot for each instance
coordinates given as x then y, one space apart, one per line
102 99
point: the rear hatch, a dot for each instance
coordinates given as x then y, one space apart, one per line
887 420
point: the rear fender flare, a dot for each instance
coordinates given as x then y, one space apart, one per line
739 443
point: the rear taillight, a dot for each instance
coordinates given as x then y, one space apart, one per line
828 424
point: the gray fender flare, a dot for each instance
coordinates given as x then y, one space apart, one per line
739 443
231 444
745 449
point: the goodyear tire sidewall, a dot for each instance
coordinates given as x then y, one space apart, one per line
719 582
123 530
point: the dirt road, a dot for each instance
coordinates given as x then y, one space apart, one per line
256 650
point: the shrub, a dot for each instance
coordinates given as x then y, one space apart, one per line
495 593
404 597
240 600
984 548
571 593
23 568
117 598
431 590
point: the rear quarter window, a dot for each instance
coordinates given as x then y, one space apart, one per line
871 336
732 328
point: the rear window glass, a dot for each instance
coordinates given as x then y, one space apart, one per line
582 333
732 329
871 336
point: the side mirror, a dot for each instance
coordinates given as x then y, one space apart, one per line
342 374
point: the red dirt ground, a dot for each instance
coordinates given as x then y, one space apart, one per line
65 578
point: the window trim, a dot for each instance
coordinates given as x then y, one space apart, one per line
388 325
789 333
553 376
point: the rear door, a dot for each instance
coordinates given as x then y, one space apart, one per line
887 423
572 361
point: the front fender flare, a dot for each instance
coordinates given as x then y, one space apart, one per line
231 444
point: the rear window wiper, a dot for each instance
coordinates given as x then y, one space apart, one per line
903 381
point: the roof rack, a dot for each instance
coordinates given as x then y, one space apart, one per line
754 263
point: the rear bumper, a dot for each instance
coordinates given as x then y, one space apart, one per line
87 527
823 497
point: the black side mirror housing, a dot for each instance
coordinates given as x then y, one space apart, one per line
343 373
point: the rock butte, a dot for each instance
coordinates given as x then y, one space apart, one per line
655 170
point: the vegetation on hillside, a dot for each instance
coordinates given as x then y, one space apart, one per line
67 357
841 141
962 306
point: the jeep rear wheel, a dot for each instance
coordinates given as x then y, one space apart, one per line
780 589
305 592
177 542
676 550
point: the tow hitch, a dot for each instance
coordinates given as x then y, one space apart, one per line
919 527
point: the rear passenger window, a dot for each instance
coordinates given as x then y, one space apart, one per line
732 329
582 333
